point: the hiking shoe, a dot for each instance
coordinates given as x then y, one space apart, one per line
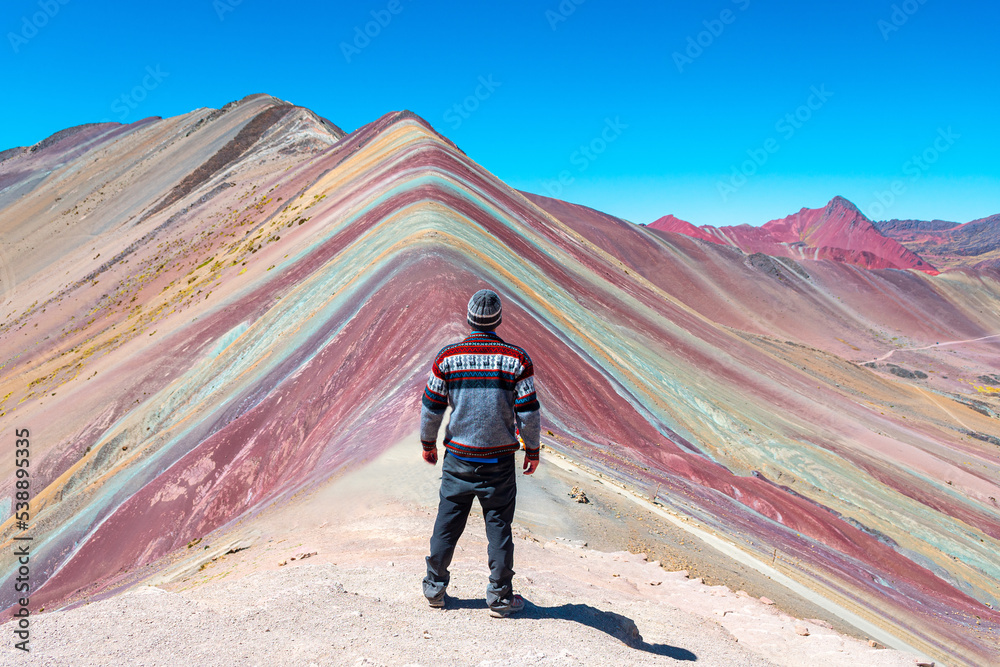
502 610
437 602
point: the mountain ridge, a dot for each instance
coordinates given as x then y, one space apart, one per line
837 231
972 245
267 330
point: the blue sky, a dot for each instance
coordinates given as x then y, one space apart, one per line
720 112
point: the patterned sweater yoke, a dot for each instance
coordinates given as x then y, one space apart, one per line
490 386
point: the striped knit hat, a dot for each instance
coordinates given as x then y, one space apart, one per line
484 310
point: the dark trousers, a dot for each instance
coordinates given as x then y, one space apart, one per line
495 486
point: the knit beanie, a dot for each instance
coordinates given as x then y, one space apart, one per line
484 310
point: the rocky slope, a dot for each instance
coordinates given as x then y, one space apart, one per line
251 596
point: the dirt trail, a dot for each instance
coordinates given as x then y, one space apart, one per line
934 346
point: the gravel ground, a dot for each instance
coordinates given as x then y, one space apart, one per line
355 600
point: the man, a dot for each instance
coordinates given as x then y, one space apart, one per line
490 387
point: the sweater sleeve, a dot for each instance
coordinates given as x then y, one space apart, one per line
433 405
526 410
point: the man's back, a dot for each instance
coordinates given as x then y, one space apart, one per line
491 389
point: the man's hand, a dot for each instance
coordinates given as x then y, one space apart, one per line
431 456
529 466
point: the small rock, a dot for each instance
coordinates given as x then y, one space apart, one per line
284 562
742 594
578 495
766 600
427 635
924 663
575 544
802 630
874 644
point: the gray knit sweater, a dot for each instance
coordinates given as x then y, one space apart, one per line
490 386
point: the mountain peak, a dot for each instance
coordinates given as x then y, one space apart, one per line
839 202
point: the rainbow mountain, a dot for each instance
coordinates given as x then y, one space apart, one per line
207 315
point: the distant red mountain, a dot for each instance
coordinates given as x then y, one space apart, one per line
950 245
838 231
670 223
